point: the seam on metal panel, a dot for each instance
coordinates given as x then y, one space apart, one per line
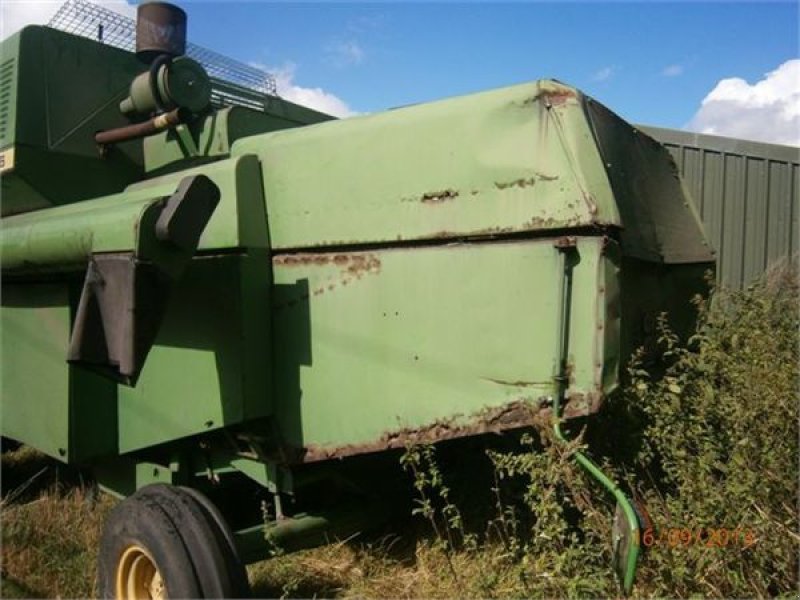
544 234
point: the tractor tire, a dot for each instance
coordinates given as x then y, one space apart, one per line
235 567
162 542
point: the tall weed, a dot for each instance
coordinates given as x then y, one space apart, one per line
720 447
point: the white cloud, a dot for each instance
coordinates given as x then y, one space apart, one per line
366 23
768 110
345 53
16 14
315 98
603 74
672 71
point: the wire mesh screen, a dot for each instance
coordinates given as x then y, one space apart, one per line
83 18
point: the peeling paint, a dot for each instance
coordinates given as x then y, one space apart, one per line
569 370
590 202
566 241
350 264
493 231
542 223
438 197
583 405
517 383
521 413
524 182
291 260
352 267
557 97
520 183
359 264
552 96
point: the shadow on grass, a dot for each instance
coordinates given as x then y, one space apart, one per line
12 589
26 473
337 569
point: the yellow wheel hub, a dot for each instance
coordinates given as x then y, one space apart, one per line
138 577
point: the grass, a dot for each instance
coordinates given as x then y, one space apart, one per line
50 528
711 442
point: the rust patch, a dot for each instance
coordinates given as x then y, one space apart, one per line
590 202
493 231
569 371
542 223
470 234
524 182
294 260
564 242
520 183
517 383
351 267
359 264
350 264
557 98
583 405
438 197
510 416
550 98
515 415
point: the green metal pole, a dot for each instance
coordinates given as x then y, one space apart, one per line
565 247
630 514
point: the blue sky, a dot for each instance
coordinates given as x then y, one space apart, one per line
651 62
731 68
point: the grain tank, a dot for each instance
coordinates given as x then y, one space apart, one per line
200 300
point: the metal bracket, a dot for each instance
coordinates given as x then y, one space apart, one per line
124 298
186 141
566 242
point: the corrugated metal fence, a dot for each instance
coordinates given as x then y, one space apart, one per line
746 193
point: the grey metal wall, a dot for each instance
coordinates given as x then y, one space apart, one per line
747 195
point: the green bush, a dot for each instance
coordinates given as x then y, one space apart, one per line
720 446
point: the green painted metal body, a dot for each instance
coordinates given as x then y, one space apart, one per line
381 347
57 91
361 284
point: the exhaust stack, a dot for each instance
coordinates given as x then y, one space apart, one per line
160 29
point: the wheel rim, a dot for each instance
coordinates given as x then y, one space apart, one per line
138 577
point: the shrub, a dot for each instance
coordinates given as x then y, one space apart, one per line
720 445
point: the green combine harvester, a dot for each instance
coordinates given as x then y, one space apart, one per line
233 316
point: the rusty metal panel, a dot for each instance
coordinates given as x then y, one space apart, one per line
377 347
527 158
747 195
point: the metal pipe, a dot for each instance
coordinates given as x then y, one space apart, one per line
140 130
584 461
308 531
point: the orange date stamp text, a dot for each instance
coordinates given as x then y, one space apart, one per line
706 537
